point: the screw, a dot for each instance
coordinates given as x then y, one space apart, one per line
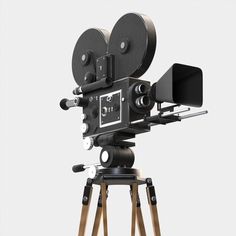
122 45
85 199
83 58
153 199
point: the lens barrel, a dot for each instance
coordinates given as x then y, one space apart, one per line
143 101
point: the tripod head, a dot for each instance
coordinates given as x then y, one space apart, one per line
116 103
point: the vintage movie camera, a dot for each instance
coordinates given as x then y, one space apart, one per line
116 103
117 106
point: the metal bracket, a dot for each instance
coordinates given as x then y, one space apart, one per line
87 192
151 192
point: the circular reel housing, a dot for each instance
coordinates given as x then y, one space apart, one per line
91 45
133 44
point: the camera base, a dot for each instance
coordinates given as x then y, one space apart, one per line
119 176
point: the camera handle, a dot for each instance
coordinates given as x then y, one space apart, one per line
65 103
92 169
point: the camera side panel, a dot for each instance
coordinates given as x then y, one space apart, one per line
111 109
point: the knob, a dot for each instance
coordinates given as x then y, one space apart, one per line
63 104
109 98
104 111
105 156
88 143
89 77
85 58
84 128
93 171
84 116
124 46
78 168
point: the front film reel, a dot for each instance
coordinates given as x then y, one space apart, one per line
91 45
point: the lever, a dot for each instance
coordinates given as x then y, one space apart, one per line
65 103
78 168
100 84
92 169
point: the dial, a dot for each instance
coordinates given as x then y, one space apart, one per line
84 128
88 143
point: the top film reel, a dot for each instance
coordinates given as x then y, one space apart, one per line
133 43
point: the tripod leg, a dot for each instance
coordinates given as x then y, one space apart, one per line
134 207
153 208
104 208
85 208
97 217
141 226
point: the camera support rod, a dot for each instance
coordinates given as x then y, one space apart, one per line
193 114
161 118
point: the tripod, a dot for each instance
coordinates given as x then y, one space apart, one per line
119 176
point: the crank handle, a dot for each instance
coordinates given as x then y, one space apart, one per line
65 103
92 169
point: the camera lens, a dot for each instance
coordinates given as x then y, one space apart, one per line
142 101
140 89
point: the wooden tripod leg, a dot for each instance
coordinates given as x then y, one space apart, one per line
85 208
155 221
153 208
97 217
104 208
141 226
134 207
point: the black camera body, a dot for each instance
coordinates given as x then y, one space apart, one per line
116 103
115 108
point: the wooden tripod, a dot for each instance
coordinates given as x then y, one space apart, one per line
104 182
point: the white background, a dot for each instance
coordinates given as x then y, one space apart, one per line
192 163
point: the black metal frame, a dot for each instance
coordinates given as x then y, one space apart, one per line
122 177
